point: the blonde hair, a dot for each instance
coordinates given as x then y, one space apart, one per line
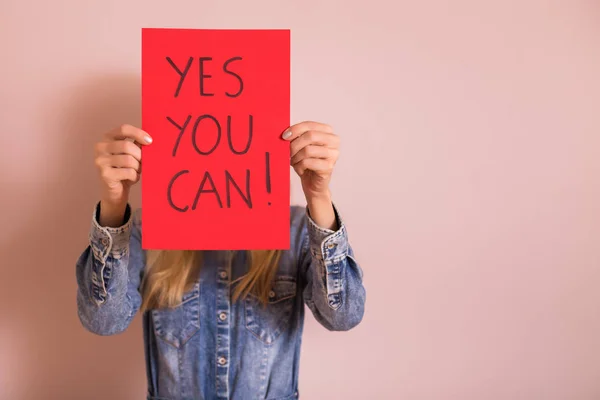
169 274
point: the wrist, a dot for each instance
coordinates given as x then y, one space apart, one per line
112 214
321 211
318 198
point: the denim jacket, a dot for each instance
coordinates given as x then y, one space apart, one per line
209 347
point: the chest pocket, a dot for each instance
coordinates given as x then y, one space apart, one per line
177 325
267 322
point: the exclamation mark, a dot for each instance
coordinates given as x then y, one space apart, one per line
268 169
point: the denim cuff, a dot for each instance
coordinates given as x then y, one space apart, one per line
325 244
108 241
330 248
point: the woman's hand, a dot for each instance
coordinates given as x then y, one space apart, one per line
119 160
314 150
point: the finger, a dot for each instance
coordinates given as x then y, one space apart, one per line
118 161
110 174
108 146
130 132
100 148
313 138
296 130
313 164
313 151
124 161
124 147
102 160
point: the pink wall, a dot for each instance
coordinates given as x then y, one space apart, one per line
469 177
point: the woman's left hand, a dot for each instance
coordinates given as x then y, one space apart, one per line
314 150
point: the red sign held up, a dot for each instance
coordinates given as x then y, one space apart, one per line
216 176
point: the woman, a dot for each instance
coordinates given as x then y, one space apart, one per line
220 324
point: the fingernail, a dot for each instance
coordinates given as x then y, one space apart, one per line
286 134
148 139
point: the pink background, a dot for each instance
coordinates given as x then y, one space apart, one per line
469 179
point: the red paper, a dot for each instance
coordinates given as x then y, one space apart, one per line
201 191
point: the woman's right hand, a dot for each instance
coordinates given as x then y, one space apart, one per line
119 160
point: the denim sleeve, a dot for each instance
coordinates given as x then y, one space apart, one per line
108 276
334 290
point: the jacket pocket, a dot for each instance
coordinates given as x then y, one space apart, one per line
177 325
266 322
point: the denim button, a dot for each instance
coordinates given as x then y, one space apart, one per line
222 360
223 274
331 245
104 241
222 316
271 294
